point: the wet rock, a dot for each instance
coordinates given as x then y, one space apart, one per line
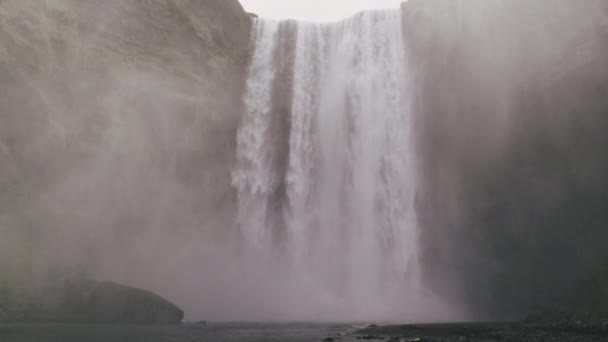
112 303
194 325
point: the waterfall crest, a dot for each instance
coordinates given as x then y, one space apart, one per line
325 171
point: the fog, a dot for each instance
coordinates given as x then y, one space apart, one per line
121 169
118 149
509 103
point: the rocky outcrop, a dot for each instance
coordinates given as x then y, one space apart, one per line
87 301
113 303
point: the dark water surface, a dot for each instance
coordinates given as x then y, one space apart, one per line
304 332
213 332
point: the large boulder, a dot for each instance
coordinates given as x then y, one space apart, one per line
111 303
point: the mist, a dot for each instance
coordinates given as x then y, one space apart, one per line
121 161
122 158
510 103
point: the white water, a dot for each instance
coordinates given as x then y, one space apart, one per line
254 177
341 213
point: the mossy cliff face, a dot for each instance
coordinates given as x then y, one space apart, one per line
511 103
117 128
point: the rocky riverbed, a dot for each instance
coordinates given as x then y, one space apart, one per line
533 330
557 328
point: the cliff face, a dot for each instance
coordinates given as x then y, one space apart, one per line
117 134
511 103
117 128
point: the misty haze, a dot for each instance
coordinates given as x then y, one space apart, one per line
216 170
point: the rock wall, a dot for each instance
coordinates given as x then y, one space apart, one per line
511 99
117 134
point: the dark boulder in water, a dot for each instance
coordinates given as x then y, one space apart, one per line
112 303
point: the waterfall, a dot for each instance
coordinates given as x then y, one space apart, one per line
325 170
254 177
